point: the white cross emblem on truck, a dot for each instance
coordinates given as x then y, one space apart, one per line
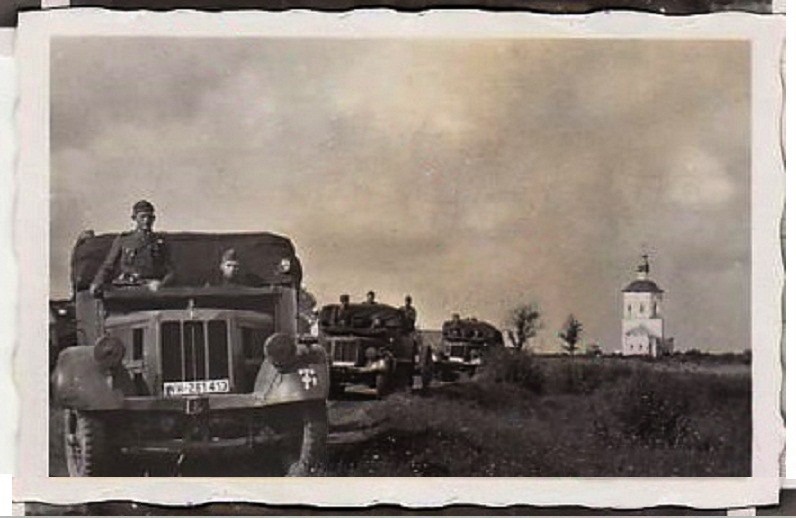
308 377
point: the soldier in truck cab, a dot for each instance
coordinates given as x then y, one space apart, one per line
135 258
230 273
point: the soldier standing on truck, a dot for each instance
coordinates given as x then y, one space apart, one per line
343 314
370 297
136 258
410 313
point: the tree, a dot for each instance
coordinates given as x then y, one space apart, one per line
570 335
524 322
594 349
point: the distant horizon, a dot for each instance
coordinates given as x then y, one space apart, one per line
475 175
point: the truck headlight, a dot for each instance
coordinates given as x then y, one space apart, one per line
108 351
280 349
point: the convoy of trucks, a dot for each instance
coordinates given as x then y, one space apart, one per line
200 369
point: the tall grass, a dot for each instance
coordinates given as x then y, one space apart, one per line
525 415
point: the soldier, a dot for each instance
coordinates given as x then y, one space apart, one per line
409 312
231 275
343 315
138 257
370 298
453 326
230 267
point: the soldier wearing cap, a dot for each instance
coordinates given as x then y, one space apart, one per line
370 297
139 257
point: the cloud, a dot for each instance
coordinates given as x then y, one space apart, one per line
473 174
699 179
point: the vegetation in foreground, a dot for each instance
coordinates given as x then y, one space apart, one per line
524 415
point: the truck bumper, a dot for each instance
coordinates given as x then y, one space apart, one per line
359 374
206 431
457 366
186 446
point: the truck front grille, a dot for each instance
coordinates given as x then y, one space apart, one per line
345 351
458 351
194 350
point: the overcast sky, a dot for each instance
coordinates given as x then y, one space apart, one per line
475 175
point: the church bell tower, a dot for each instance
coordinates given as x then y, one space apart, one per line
642 321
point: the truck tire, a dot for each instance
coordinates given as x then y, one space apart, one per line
405 377
426 376
314 431
426 369
383 384
449 375
86 445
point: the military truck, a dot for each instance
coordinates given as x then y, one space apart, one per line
370 344
463 346
192 369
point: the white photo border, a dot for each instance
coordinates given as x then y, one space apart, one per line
31 231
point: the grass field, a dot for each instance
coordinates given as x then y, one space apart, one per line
547 417
558 417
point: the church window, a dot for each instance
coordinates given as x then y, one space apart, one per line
641 308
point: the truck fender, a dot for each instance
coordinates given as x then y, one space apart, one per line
307 378
80 383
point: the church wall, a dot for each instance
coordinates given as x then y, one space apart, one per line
642 305
631 343
636 345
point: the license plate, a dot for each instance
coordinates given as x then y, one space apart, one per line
190 388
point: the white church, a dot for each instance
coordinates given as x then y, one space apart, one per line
642 323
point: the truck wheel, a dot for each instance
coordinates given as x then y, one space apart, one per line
382 384
449 375
85 445
311 444
426 369
426 375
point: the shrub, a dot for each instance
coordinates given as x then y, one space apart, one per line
582 375
653 408
502 365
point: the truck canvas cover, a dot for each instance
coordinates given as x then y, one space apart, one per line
362 317
195 257
471 330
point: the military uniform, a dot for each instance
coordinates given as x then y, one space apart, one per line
411 316
246 280
135 257
342 316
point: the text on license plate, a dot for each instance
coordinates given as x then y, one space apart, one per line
187 388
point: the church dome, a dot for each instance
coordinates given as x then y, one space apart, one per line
642 286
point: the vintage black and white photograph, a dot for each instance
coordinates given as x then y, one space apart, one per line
492 267
383 256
